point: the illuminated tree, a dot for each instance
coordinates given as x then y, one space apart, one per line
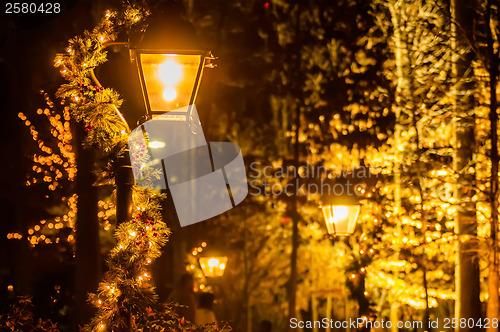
390 91
57 169
303 58
419 204
55 166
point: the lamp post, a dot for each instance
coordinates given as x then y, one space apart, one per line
169 80
170 73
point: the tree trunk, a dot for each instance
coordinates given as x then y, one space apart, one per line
492 305
292 296
88 265
400 63
467 304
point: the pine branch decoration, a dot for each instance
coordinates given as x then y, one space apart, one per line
89 103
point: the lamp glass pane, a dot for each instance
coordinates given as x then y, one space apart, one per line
213 266
341 219
170 79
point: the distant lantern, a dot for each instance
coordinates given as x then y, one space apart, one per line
341 211
213 267
341 219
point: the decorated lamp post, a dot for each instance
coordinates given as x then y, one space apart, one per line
169 79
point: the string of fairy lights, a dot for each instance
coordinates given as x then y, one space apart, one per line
60 162
193 267
55 166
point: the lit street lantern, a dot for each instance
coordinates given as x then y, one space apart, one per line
169 79
213 267
341 211
341 219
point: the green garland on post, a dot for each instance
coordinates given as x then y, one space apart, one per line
89 102
125 299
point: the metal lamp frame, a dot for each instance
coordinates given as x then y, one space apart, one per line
205 61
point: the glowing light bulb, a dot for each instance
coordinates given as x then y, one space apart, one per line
213 262
340 213
169 93
170 72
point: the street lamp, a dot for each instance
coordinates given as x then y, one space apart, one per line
170 70
341 219
213 267
169 78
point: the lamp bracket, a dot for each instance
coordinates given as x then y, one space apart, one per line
211 61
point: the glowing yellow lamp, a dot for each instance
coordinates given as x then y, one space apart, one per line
169 79
170 72
213 266
341 219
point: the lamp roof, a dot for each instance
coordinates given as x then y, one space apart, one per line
166 29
